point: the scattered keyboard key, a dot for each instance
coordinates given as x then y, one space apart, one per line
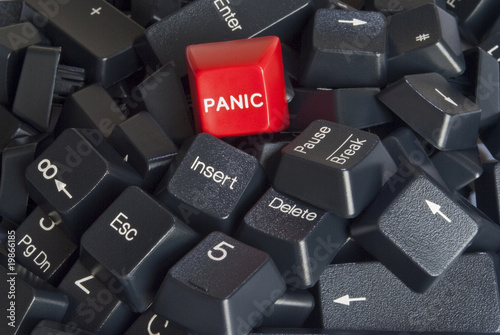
301 239
420 46
47 327
210 185
150 323
349 168
77 177
238 87
435 110
465 300
342 48
416 229
221 286
76 24
458 168
143 240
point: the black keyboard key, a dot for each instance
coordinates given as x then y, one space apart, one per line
458 168
148 12
166 40
290 310
14 40
221 286
343 48
367 296
48 327
143 240
146 147
416 229
492 45
11 128
33 101
420 46
390 7
10 11
150 323
77 177
107 55
301 239
488 191
334 167
94 306
435 110
210 185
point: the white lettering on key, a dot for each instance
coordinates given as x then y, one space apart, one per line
209 172
242 101
315 139
227 14
493 49
279 204
40 259
354 146
124 228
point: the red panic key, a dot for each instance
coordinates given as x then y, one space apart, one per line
238 87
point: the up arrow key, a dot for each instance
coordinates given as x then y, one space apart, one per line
355 22
345 300
436 209
62 187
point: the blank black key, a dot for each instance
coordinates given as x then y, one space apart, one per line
211 184
416 229
167 40
458 168
300 238
14 40
77 177
11 127
143 240
107 55
334 167
43 248
367 296
435 110
48 327
344 49
221 286
420 46
150 323
94 306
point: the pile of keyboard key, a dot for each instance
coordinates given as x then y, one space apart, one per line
249 167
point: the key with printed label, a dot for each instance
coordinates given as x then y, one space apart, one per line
143 241
492 46
209 290
334 167
77 177
343 48
150 323
75 25
301 239
210 184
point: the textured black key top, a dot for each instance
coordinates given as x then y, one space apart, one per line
474 17
458 168
290 310
43 248
344 49
92 108
210 184
390 7
11 12
164 98
146 147
142 241
94 306
48 327
301 239
221 286
33 101
353 107
416 229
27 300
107 55
435 110
224 20
14 40
77 177
150 323
418 46
367 296
334 167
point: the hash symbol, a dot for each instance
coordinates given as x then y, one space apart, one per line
422 37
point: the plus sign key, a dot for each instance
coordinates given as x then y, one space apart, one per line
336 168
238 87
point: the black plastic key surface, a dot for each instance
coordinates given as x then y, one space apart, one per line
367 296
11 127
10 11
301 239
14 40
210 185
94 306
492 45
77 177
343 48
290 310
458 168
488 191
150 323
33 101
336 168
143 240
107 55
222 20
48 327
416 229
148 12
27 300
390 7
220 286
424 39
435 110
